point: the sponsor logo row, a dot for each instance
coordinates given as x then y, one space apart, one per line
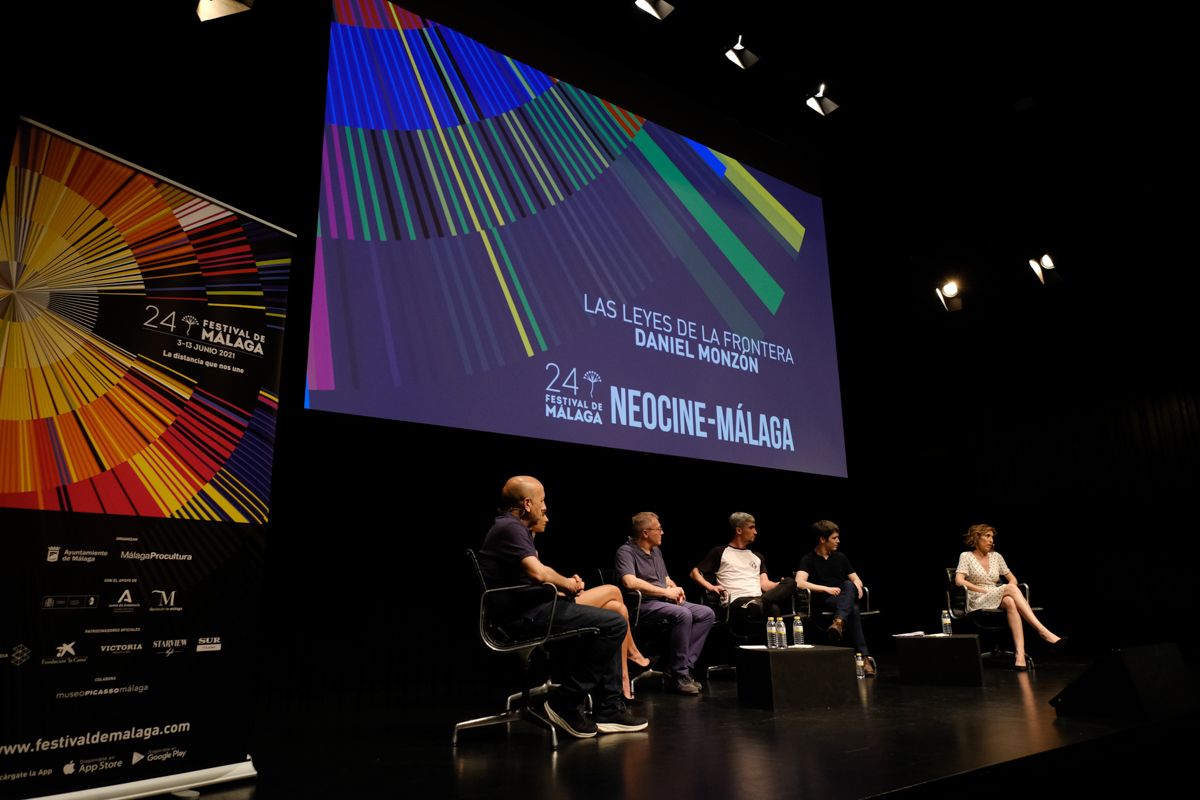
124 600
75 653
56 554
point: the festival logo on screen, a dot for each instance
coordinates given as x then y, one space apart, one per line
499 250
140 336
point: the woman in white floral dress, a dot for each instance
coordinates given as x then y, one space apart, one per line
979 572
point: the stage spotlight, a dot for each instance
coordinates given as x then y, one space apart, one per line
1043 268
951 296
820 103
212 9
739 55
655 8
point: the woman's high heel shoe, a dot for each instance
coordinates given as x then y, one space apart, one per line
1024 666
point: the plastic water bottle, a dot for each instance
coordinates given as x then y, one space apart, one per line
780 635
770 633
859 669
947 628
797 630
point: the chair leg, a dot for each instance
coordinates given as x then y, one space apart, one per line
523 714
649 673
518 707
530 715
536 691
708 673
483 722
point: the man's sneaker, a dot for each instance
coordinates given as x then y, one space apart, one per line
571 719
619 720
681 686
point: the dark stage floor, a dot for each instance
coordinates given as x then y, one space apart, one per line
916 741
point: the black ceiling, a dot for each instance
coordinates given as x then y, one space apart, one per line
968 140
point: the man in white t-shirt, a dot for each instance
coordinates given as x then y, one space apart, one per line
739 574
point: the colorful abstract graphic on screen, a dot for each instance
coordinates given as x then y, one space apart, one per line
499 250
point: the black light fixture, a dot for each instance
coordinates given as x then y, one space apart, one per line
951 296
1044 269
739 55
659 9
820 103
212 9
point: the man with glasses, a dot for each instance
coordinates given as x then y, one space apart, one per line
640 567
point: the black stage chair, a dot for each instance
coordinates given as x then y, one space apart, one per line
823 617
991 623
749 630
525 645
648 635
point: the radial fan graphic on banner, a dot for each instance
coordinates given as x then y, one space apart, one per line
140 334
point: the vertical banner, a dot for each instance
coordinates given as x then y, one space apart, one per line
141 328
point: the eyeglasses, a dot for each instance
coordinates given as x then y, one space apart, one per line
654 530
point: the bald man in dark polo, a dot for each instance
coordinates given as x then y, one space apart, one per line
508 558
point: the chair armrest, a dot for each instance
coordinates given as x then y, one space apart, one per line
952 607
795 611
633 604
956 596
802 602
633 597
713 601
492 596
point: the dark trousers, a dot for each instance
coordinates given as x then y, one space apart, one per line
690 624
845 607
774 602
595 666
